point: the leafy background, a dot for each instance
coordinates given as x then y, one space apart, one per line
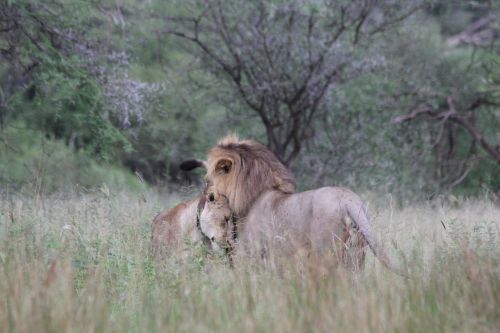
92 92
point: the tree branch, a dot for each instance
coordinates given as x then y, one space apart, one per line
451 114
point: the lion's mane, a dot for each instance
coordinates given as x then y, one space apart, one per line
244 169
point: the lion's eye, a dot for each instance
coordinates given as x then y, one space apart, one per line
211 197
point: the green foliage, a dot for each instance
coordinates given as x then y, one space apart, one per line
64 97
71 108
32 163
103 82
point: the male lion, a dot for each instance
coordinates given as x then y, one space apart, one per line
258 189
175 227
242 170
317 221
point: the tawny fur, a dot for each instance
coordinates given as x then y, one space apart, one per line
318 221
173 228
243 169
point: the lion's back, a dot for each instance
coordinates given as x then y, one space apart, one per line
171 226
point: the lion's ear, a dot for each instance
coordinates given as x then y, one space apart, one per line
223 166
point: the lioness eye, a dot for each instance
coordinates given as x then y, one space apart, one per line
211 197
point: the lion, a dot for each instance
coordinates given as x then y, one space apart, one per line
173 228
259 190
314 221
242 170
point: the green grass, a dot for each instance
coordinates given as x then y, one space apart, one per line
81 263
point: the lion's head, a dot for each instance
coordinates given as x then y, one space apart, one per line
242 170
216 222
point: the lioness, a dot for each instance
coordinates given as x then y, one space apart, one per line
317 221
175 227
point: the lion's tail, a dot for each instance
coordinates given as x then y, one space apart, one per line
359 215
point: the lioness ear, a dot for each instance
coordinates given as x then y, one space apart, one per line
189 165
223 166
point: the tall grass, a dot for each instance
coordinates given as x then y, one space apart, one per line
82 263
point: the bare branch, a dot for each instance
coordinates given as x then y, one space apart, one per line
396 20
451 114
281 59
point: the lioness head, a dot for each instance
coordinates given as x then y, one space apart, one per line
242 170
216 222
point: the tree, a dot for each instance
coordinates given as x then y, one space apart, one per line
283 58
61 75
456 94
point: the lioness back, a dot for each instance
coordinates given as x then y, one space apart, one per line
172 227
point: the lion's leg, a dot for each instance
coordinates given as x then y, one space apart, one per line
344 250
357 250
315 263
353 247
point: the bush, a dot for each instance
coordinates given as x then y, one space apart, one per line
30 161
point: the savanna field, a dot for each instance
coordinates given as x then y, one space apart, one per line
82 263
108 108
